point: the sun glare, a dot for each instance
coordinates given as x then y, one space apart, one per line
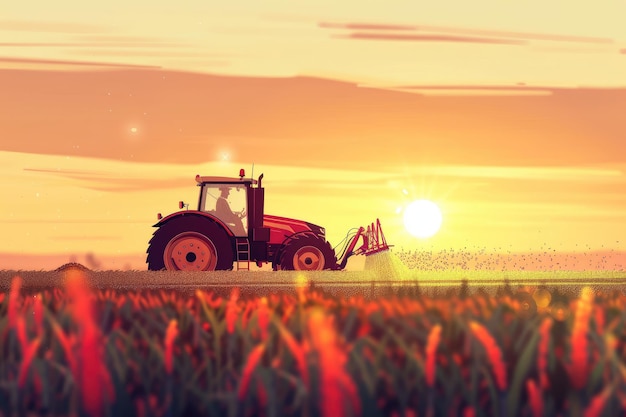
422 218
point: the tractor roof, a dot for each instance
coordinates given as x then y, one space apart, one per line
224 180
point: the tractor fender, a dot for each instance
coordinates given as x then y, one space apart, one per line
193 213
284 243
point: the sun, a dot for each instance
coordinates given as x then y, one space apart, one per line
422 218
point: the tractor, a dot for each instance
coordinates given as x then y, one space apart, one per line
230 228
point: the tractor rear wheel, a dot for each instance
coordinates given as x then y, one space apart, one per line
190 244
307 253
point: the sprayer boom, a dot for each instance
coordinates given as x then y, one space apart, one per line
373 242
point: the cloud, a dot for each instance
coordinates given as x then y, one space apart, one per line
117 185
118 44
103 181
10 60
568 173
504 36
86 238
62 221
429 38
38 44
55 27
125 40
366 26
519 89
135 52
282 178
477 90
110 46
65 171
99 45
190 118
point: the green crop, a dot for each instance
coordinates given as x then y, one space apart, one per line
80 352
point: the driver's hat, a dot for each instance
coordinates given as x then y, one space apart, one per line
224 188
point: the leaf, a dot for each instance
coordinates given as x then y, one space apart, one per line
493 391
42 368
521 372
114 358
106 313
350 323
523 335
408 352
195 374
252 361
595 378
368 373
379 350
368 401
268 379
216 326
4 322
68 384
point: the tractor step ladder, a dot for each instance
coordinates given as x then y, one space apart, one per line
243 253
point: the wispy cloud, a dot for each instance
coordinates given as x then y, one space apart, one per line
448 32
92 44
429 38
102 46
530 173
72 221
103 181
38 44
132 52
96 238
477 90
366 26
22 61
141 177
121 39
52 27
66 171
494 90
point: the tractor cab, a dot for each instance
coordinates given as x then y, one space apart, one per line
228 203
227 199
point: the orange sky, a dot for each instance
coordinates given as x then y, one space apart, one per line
510 118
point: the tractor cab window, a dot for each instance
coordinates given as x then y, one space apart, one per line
228 203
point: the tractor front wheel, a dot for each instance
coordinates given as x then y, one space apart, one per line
307 253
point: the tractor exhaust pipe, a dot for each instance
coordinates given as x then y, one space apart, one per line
259 181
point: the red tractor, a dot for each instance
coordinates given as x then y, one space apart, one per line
230 227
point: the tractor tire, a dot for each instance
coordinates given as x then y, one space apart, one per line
190 244
307 253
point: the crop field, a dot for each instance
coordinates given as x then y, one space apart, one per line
382 274
75 347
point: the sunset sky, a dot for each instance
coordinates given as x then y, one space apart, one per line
510 116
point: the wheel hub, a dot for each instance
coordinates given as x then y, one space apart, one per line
190 251
308 258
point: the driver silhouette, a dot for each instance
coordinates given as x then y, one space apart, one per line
224 212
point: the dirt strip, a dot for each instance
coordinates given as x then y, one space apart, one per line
341 283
